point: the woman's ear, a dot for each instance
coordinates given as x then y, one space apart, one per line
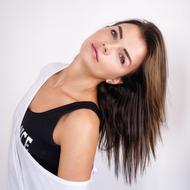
114 81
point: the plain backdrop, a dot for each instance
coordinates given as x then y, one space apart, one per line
37 32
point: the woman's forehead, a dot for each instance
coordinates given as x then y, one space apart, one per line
132 40
129 29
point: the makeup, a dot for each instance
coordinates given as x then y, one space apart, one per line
94 51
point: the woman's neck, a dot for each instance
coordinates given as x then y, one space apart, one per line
76 80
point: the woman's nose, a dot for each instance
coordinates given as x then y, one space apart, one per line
107 48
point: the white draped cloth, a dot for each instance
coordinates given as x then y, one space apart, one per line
24 172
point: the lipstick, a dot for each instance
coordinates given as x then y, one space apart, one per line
95 50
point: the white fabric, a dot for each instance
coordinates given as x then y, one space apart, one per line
24 173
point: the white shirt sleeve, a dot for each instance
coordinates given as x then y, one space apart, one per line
24 172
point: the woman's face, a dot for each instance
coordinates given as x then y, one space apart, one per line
120 49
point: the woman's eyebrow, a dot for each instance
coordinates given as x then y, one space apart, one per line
121 37
128 56
120 32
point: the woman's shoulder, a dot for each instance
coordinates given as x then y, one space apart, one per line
85 119
79 121
84 115
79 140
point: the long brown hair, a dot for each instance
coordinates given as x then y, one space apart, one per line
133 112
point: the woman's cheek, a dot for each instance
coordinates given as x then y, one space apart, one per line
111 69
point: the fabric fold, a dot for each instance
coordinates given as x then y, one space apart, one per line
24 172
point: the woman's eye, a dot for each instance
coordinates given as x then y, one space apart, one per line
122 58
114 33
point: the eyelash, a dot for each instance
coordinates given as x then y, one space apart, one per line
114 34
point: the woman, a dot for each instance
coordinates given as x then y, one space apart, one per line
111 95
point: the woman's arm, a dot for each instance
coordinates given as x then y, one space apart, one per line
78 140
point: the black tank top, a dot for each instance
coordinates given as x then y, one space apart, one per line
37 133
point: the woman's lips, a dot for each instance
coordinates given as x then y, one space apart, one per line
95 50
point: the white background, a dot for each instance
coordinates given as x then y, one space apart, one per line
34 33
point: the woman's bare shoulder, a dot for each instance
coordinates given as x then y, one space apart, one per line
81 119
79 139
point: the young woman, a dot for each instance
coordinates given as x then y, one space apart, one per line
111 95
